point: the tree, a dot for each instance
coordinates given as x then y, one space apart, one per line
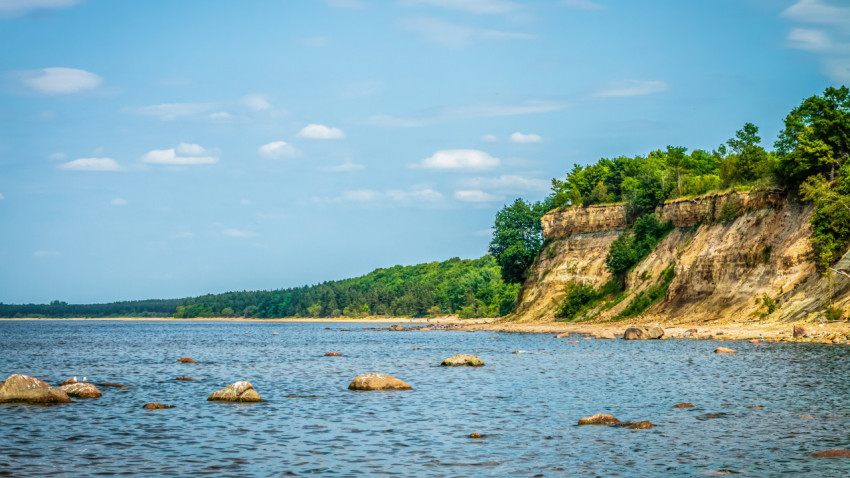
748 156
517 238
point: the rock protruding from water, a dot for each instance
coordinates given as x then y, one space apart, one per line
238 392
81 390
378 381
332 354
643 332
724 350
565 335
605 335
683 405
641 425
836 453
23 388
186 360
599 419
156 406
69 381
186 379
461 360
116 385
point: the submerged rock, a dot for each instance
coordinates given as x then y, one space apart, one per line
81 390
110 384
836 453
565 335
683 405
23 388
332 354
187 379
641 425
377 381
463 360
156 406
396 327
186 360
643 332
605 335
238 392
474 435
724 350
599 419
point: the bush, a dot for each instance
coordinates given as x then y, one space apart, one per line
647 298
581 297
833 313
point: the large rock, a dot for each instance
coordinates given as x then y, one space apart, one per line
599 419
81 390
237 392
186 360
643 332
463 359
23 388
156 406
724 350
377 381
604 335
799 331
837 453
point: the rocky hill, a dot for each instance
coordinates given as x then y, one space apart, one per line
729 251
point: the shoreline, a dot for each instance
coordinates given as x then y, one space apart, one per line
366 320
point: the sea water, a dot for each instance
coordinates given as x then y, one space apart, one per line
526 406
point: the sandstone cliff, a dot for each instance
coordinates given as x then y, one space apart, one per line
727 250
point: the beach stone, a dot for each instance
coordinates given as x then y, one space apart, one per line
186 360
643 332
377 381
799 331
754 341
23 388
683 405
835 453
724 350
605 335
599 419
81 390
462 360
332 354
642 425
187 379
156 406
238 392
565 335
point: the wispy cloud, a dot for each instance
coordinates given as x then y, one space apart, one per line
508 184
490 138
415 195
816 11
2 196
470 6
186 154
91 164
60 80
466 112
460 159
277 150
257 102
118 202
454 35
355 4
320 131
583 5
525 138
830 40
631 88
173 111
56 156
473 195
240 233
345 167
808 39
14 8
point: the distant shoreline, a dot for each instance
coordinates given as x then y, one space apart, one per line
375 320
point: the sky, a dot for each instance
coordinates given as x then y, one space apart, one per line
165 149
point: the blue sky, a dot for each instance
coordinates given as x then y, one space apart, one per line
172 148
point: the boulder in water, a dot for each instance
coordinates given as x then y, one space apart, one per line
116 385
641 425
565 335
187 379
156 406
332 354
604 335
238 392
81 390
186 360
724 350
683 405
377 381
460 360
836 453
643 332
599 419
23 388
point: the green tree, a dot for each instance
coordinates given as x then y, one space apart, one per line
517 238
749 158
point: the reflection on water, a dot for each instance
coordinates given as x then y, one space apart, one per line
526 406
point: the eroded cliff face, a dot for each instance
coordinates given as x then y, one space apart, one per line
721 268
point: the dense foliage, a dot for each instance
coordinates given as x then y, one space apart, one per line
470 288
517 238
634 246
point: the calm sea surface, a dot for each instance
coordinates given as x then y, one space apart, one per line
525 405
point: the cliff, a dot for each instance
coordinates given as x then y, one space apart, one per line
728 252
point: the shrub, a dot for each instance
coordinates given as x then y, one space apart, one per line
833 313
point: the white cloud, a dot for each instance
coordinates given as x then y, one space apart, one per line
256 102
390 121
320 131
61 81
454 35
472 159
11 8
239 233
316 41
57 156
526 138
277 150
91 164
471 6
185 154
815 11
2 196
221 116
475 195
839 70
509 184
632 88
490 138
43 254
359 195
119 202
416 195
582 4
465 112
173 111
345 167
806 39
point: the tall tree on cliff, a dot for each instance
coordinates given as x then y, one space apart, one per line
518 237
